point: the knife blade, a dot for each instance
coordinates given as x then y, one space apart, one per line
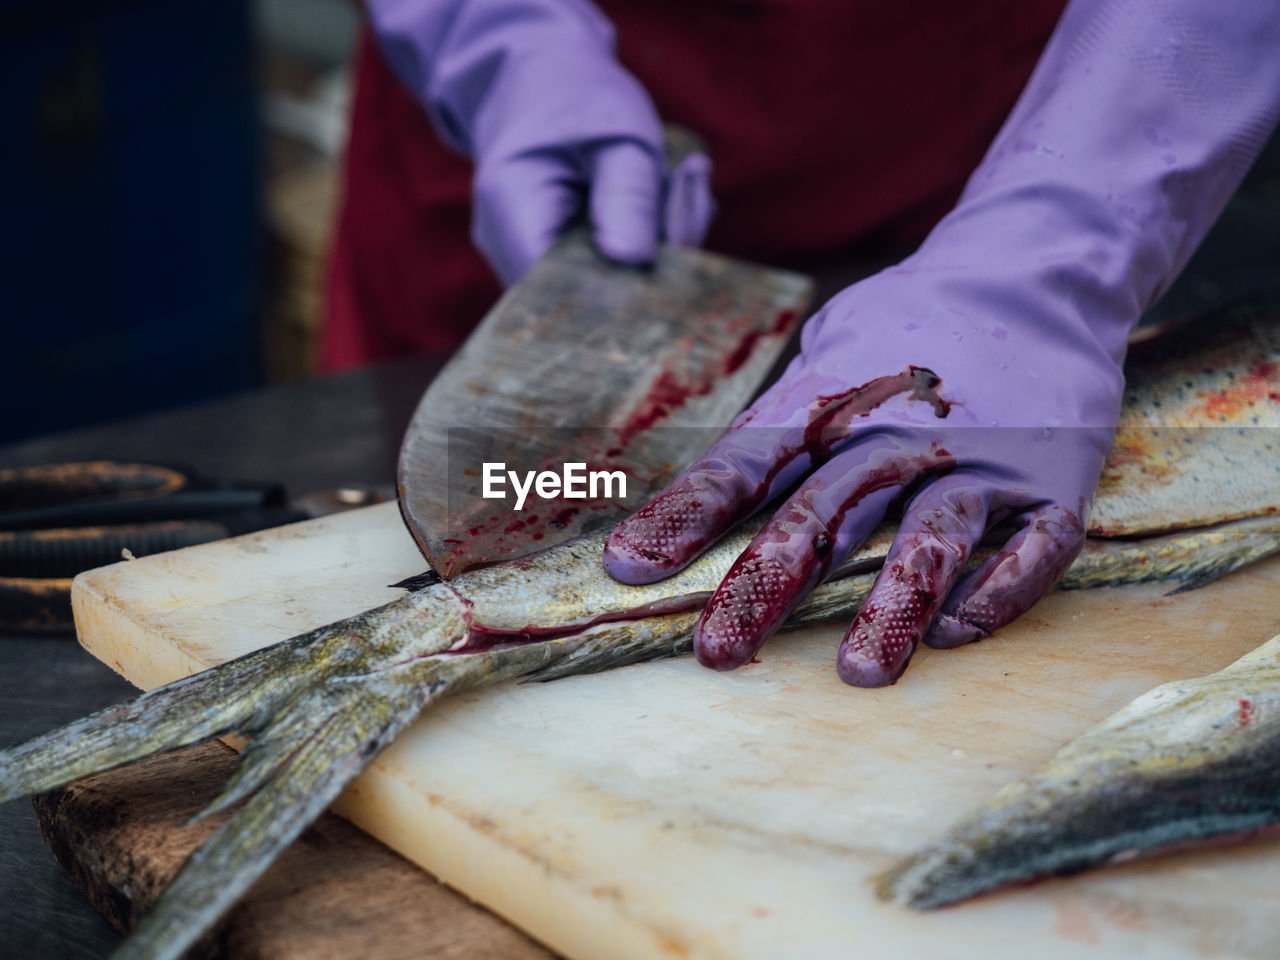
629 373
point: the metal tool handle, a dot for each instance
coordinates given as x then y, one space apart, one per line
103 492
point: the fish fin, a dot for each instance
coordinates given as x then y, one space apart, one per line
318 708
599 661
1202 579
1192 558
671 635
293 725
418 581
655 638
303 774
1216 566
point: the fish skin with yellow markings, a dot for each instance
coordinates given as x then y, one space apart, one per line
1198 440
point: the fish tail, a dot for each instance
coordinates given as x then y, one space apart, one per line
246 695
316 708
320 740
232 696
289 780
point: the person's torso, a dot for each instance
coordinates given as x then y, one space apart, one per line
833 121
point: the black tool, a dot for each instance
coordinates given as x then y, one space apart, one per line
61 519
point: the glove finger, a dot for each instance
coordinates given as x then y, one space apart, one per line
689 206
1007 585
519 211
939 532
831 513
626 192
742 471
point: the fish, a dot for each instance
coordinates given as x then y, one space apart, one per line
1189 762
316 709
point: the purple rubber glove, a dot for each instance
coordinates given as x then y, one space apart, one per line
531 91
980 380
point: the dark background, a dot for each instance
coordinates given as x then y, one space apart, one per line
170 175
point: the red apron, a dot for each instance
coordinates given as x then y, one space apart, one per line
832 125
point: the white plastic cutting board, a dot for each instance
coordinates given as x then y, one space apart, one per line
664 810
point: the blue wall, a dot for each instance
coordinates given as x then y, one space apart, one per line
129 236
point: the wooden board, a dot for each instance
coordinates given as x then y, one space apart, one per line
335 893
664 810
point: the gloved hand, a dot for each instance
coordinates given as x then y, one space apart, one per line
531 91
981 378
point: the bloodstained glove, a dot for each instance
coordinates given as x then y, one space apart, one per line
531 91
980 379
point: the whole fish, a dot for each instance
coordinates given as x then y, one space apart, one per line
317 708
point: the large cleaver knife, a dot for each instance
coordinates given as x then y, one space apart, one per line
629 374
